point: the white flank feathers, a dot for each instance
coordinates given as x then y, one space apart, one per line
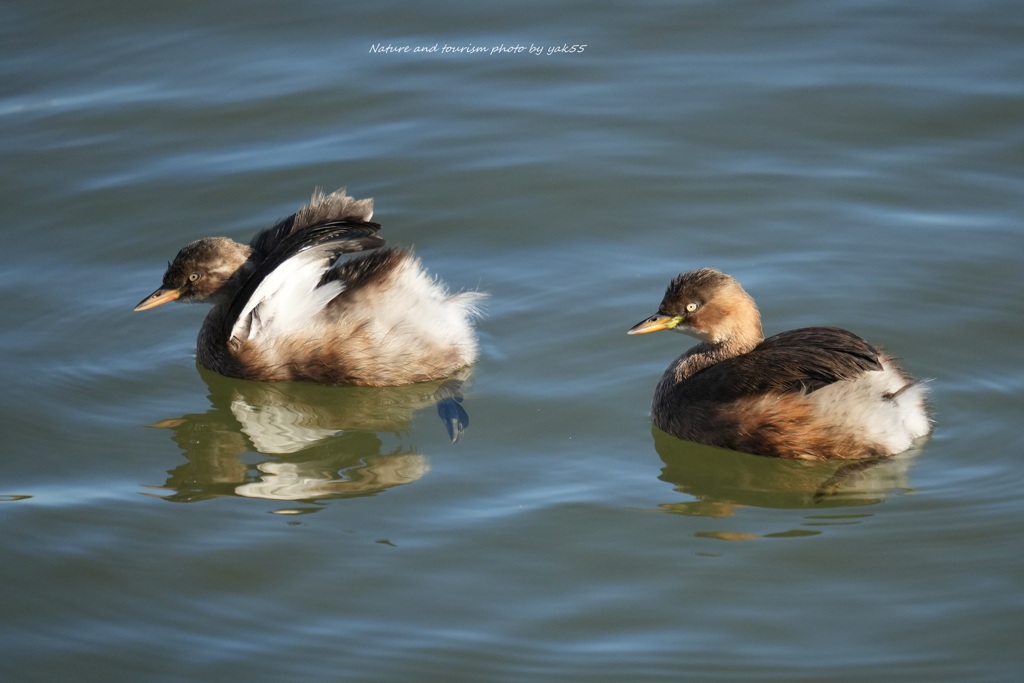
866 405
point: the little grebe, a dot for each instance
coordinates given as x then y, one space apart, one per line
814 393
288 307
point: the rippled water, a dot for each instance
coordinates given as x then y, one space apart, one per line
855 164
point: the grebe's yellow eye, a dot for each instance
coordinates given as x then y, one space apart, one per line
193 277
691 307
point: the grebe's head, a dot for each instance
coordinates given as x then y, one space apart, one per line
199 272
706 304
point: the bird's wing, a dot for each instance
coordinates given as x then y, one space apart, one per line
805 360
289 286
321 210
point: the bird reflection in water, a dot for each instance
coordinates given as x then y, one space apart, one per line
326 441
722 482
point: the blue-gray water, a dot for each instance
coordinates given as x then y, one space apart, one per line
852 163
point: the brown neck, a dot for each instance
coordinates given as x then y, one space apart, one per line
743 336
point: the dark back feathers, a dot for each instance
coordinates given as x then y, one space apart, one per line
806 359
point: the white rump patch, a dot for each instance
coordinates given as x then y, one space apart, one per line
414 310
878 404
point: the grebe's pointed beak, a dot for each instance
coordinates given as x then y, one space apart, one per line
157 298
656 323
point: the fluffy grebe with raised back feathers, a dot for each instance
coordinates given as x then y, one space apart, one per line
814 393
287 306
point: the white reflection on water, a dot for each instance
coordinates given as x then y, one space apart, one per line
327 441
306 480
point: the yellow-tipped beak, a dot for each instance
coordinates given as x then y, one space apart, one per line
656 323
157 298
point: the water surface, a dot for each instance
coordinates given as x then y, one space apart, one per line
853 164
